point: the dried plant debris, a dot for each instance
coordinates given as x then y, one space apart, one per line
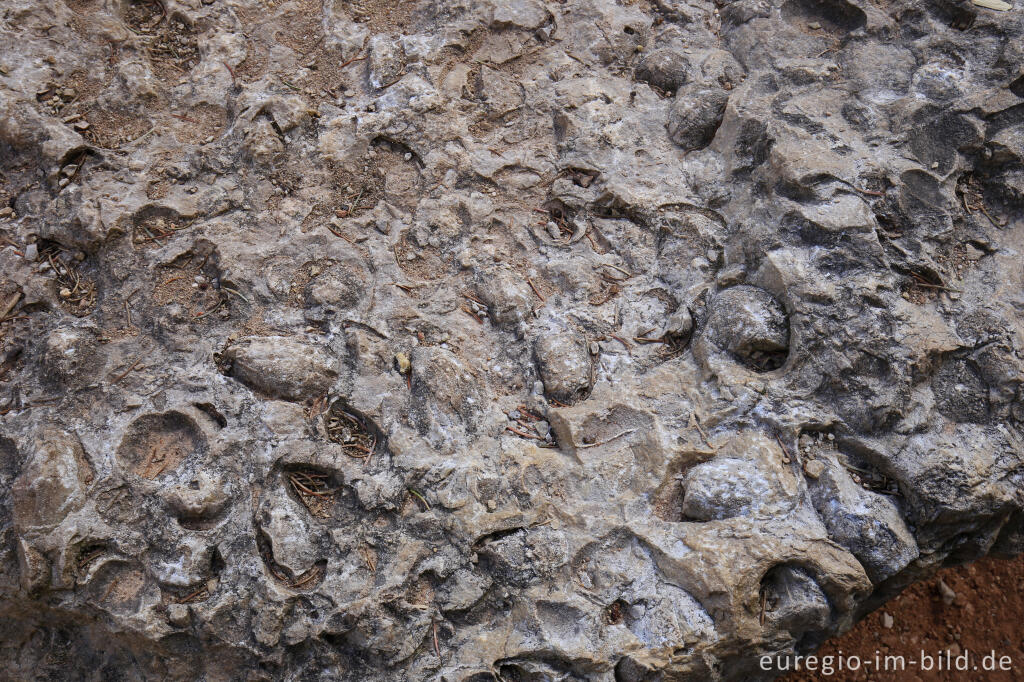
997 5
477 340
351 432
527 424
313 488
154 226
77 294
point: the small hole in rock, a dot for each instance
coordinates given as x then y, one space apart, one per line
358 436
314 488
616 613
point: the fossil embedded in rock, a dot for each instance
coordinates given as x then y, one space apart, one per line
498 339
665 69
752 325
564 365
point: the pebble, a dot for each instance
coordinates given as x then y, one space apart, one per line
814 25
814 468
887 621
178 614
31 252
947 593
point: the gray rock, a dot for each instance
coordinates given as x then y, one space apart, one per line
960 392
720 67
695 116
281 367
52 483
720 491
424 340
446 396
508 297
751 324
867 523
564 365
529 15
386 62
794 601
665 68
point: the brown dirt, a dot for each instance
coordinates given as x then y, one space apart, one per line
112 128
200 123
986 615
303 30
383 16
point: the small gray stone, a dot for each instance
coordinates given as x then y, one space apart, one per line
814 468
564 365
749 323
179 615
665 69
695 116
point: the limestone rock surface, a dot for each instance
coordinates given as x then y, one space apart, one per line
476 340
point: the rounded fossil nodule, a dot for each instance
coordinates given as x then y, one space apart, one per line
517 339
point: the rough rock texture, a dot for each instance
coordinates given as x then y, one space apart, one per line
474 340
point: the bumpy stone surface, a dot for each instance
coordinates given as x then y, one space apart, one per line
474 340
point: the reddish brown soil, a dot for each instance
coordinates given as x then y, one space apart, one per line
987 614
